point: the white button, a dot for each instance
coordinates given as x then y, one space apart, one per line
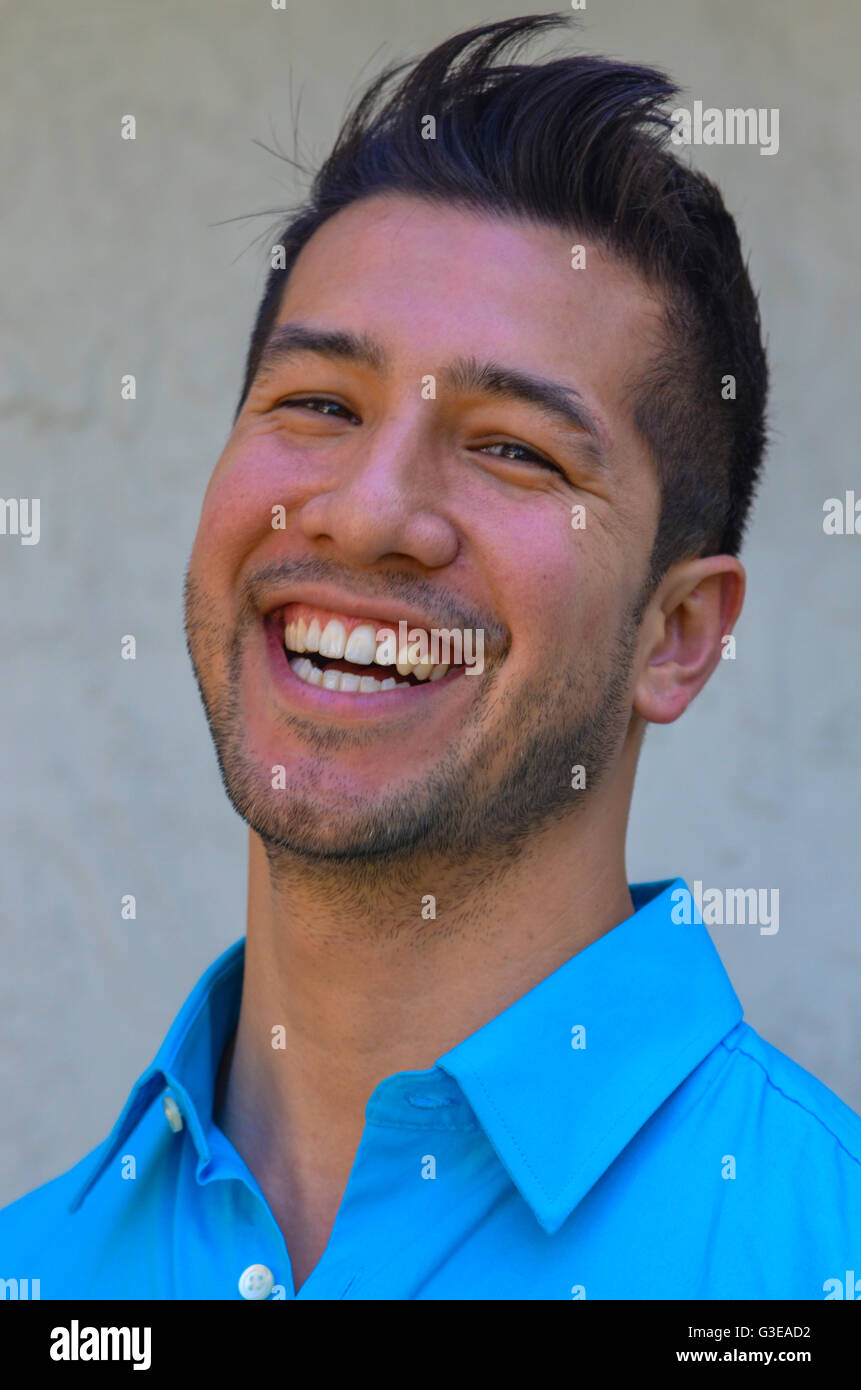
256 1282
172 1113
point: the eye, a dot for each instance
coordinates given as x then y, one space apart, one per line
526 455
321 405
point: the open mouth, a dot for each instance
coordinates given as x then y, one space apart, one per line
354 655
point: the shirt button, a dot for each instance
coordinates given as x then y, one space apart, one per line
172 1113
256 1282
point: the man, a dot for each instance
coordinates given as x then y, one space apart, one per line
457 1056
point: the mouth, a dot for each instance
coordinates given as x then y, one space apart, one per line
364 658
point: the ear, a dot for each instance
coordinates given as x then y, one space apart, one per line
697 603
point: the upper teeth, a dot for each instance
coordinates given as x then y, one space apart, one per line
361 647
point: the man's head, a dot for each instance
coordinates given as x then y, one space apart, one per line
505 434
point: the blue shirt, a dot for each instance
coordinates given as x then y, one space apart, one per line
617 1132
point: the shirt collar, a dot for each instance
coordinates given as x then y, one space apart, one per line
651 997
186 1064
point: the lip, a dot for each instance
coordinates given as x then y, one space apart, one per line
376 609
345 706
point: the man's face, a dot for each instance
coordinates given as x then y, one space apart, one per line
417 486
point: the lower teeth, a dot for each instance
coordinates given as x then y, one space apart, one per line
332 679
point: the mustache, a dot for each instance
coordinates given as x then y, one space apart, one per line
446 610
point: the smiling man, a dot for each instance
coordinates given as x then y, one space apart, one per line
457 1056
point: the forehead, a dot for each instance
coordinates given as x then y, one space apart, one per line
426 280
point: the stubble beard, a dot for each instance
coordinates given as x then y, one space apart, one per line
454 813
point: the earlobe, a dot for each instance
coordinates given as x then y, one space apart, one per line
694 610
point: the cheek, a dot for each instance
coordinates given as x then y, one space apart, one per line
562 591
237 512
544 579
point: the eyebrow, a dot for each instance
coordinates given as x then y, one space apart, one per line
291 339
562 403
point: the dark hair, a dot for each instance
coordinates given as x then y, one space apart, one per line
579 143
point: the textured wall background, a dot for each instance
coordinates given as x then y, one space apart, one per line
115 264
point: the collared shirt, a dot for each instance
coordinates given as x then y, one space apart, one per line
617 1132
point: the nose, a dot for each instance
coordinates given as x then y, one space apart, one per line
387 499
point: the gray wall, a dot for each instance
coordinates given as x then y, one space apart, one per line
115 264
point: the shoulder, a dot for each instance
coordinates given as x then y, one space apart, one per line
791 1098
29 1224
89 1231
762 1164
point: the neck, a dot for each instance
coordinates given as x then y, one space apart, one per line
364 985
